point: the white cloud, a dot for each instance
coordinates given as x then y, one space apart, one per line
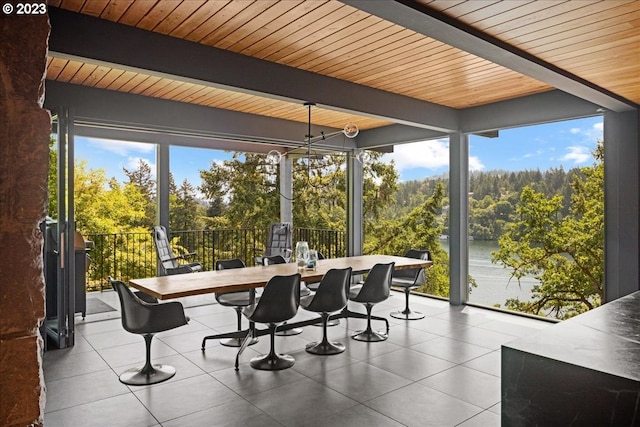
133 162
475 164
577 154
121 148
424 154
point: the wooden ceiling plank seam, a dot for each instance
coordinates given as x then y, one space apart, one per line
557 24
69 70
157 14
394 64
560 55
189 93
115 10
366 59
400 66
305 35
94 7
268 22
273 43
56 3
136 12
161 87
73 5
55 67
605 26
181 13
458 8
97 75
144 85
82 74
197 19
524 12
240 24
108 78
133 82
218 21
595 38
122 80
345 49
170 88
263 35
328 34
177 93
477 17
201 95
554 16
374 63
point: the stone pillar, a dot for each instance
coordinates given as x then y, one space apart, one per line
24 159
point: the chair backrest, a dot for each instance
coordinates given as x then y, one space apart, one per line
133 318
279 301
165 254
279 241
376 286
416 274
226 264
275 259
333 291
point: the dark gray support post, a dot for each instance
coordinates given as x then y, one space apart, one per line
458 218
621 207
162 185
354 206
286 189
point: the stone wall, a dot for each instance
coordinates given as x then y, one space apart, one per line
24 159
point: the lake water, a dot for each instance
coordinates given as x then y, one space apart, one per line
494 283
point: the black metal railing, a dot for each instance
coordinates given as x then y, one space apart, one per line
126 256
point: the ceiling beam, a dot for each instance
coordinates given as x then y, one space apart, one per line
98 41
437 25
109 114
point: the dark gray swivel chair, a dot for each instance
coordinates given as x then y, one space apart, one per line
408 279
304 291
279 302
331 296
147 319
167 261
237 300
375 289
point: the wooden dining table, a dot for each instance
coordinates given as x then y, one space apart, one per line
250 278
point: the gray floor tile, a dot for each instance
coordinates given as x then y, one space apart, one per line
482 337
417 405
235 413
483 419
467 384
81 389
174 399
64 363
489 363
248 381
362 381
356 416
120 411
295 403
411 364
134 353
452 350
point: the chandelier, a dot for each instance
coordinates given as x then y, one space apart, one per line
350 131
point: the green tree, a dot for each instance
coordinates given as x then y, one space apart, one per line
143 180
185 211
565 253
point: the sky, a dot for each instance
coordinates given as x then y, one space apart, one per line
568 144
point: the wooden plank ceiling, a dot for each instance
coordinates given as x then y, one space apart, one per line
596 40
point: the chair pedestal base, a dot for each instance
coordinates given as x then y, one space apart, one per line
407 315
289 332
325 348
369 336
237 342
272 362
142 376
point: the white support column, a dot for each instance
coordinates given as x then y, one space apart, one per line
355 233
162 185
458 218
622 206
286 189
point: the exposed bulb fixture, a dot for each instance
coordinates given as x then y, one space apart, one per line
274 157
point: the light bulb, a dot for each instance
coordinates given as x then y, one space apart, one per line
274 157
361 156
350 130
